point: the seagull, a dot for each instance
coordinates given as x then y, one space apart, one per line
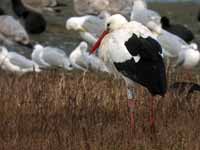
81 59
131 51
147 17
47 57
89 27
177 29
14 62
96 63
78 58
34 22
12 31
173 46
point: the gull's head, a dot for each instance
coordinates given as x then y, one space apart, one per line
68 64
3 50
191 58
193 45
3 53
114 22
74 23
165 21
104 15
38 47
83 46
139 4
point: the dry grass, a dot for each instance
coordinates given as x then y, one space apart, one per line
75 111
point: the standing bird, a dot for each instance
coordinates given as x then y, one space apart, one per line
147 17
177 29
12 31
89 27
173 46
34 22
81 59
14 62
130 51
78 58
50 57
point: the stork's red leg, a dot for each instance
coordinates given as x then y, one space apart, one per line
131 105
152 114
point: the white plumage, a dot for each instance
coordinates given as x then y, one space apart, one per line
50 57
112 46
173 46
81 59
187 55
131 51
89 27
12 29
14 62
147 17
78 58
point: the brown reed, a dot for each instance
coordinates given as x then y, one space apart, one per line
57 110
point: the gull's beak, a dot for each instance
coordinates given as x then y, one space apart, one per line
97 44
82 30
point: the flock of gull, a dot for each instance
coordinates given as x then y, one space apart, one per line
12 31
174 39
132 48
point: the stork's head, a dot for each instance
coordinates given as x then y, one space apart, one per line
74 23
113 23
191 58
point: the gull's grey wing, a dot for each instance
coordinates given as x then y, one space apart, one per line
54 56
20 60
94 25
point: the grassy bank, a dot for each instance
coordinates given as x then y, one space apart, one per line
75 111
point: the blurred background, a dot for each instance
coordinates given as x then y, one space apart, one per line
180 11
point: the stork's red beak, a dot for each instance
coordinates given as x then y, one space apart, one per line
97 44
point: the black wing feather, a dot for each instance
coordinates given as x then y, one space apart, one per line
150 70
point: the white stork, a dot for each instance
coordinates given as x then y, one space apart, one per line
131 51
